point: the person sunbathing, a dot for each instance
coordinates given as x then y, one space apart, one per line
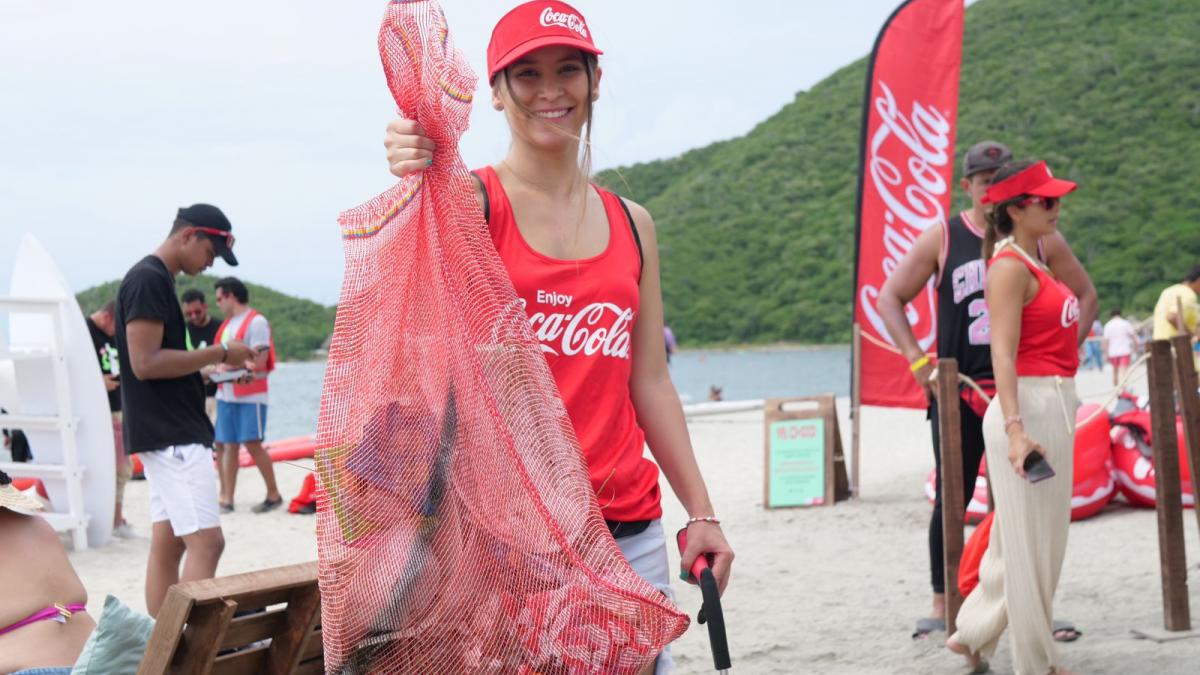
43 620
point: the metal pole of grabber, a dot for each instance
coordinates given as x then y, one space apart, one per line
1186 383
950 435
1173 561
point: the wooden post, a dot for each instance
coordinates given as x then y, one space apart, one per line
1172 558
1189 407
950 435
855 405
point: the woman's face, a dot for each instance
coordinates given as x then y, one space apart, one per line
546 98
1035 217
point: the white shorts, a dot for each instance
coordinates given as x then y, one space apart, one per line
646 552
183 487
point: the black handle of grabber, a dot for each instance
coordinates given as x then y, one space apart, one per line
710 613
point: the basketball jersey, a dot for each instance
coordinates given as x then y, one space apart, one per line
964 332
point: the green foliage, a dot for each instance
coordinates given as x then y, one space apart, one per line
756 234
298 326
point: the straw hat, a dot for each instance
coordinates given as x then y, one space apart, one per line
14 500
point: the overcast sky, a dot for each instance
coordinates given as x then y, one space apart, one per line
114 114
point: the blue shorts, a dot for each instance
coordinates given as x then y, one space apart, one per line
240 422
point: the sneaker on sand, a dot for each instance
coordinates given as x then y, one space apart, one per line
226 508
267 505
126 531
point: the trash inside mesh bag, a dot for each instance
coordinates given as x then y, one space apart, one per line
457 528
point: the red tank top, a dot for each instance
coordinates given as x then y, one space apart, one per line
1049 342
583 312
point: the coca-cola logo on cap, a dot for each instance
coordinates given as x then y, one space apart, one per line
573 22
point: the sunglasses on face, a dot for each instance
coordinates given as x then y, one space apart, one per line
1046 202
217 234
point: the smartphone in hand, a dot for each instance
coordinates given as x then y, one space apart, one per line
1037 469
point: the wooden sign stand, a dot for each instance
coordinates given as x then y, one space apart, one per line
803 444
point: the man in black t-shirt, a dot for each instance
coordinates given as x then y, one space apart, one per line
162 395
202 332
101 325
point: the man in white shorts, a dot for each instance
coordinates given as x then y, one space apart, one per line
162 395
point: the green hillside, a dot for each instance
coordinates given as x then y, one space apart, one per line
757 233
298 326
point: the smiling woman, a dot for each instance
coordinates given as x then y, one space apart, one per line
584 264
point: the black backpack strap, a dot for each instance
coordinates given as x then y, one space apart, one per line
487 202
636 238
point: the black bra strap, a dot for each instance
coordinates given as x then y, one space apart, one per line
636 238
487 202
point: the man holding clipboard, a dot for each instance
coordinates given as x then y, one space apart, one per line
242 395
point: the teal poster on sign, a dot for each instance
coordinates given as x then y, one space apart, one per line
797 463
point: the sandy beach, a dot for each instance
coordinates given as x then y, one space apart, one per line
817 590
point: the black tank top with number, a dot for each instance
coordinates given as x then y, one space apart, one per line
964 332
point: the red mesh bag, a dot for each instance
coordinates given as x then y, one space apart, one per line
457 529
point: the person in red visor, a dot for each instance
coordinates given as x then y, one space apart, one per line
1029 427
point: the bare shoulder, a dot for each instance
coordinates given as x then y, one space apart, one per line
641 217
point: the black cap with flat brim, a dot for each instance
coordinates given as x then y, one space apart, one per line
212 222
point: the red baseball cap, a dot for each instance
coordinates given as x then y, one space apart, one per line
1035 181
534 25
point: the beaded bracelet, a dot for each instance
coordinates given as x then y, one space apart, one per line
703 519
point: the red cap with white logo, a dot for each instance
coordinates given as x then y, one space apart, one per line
534 25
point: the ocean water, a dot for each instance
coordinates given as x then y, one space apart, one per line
740 373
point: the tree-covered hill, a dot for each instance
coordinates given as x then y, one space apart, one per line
298 326
757 233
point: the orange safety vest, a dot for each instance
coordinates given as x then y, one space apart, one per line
259 385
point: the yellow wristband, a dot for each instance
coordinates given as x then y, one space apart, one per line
919 363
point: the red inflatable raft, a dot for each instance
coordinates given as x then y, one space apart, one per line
1094 483
287 449
1134 459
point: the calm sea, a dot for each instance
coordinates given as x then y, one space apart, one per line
740 373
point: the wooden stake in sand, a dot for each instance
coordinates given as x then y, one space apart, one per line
1189 407
1173 561
950 435
855 406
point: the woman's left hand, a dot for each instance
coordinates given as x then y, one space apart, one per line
706 537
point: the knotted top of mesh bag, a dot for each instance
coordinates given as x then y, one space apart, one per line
457 529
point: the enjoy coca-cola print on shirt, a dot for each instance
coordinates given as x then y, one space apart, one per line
582 313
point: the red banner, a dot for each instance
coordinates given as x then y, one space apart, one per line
905 179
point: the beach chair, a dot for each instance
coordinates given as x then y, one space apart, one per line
197 632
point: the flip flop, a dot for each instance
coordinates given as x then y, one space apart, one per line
1072 633
927 626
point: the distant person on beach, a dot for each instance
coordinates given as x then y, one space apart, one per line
16 443
714 393
1120 342
1029 426
545 78
951 257
162 396
669 339
101 325
202 332
43 618
1168 322
1093 352
242 404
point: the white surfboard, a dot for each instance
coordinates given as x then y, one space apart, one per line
35 275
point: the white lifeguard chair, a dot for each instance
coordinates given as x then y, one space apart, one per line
56 396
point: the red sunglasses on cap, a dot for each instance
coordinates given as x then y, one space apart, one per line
217 234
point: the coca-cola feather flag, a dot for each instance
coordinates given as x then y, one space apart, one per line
905 179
